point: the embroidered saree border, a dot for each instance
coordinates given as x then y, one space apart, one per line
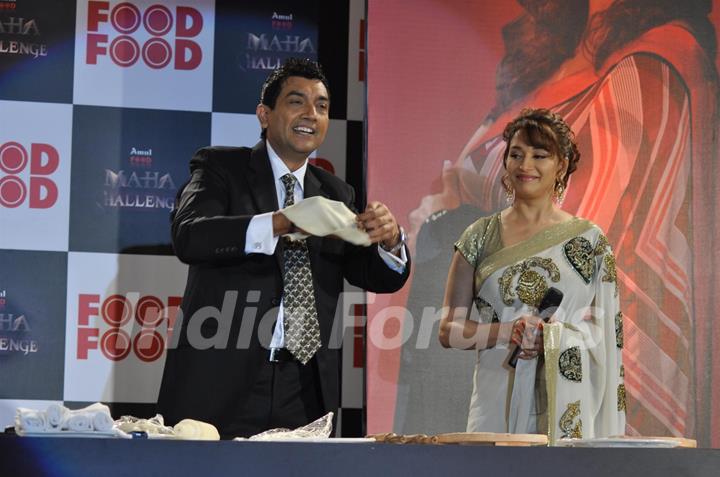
551 339
543 240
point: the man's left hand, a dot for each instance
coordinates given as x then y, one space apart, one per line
380 224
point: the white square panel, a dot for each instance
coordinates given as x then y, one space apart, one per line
145 54
111 354
35 152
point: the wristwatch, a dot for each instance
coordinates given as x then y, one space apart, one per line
398 245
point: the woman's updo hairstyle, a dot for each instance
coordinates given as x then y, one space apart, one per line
544 129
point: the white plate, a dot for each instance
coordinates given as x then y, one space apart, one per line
617 442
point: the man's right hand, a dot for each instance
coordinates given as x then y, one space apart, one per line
281 224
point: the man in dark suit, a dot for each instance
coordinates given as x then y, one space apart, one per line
252 350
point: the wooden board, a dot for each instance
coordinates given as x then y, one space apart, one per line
492 439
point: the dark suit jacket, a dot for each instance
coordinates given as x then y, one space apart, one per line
228 186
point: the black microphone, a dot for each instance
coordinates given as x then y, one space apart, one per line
550 301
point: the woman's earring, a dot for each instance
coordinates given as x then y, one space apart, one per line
559 192
509 191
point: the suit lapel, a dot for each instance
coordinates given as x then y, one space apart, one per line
312 186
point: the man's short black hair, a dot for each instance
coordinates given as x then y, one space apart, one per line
302 67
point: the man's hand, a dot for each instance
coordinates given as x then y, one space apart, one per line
380 224
281 224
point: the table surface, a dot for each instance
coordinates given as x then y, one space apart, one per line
79 457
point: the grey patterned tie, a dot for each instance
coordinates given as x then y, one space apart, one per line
302 330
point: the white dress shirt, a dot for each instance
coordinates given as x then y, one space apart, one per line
259 237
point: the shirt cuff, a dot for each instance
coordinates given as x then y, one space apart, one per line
394 262
259 235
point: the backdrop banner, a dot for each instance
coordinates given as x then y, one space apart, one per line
103 103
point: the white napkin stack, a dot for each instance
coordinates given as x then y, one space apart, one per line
57 418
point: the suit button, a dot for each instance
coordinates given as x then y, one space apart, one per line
274 302
217 250
233 249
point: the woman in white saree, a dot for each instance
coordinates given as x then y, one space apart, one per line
568 382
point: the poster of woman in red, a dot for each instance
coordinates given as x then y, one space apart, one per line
637 81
